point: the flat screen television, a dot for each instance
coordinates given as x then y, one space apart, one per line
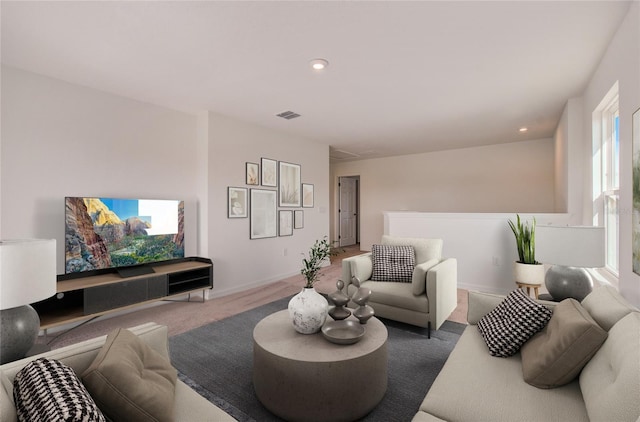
107 233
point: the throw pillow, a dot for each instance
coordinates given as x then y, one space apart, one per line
510 324
48 390
393 263
557 354
130 381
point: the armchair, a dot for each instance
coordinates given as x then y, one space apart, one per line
430 297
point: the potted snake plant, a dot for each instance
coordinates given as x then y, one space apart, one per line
526 269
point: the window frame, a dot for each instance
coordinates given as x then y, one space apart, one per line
606 175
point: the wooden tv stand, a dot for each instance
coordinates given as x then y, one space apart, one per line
85 297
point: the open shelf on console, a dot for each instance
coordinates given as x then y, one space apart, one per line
79 298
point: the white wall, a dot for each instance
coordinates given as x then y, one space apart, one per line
621 63
512 177
483 244
570 153
60 139
240 262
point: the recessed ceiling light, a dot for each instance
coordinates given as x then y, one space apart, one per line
523 129
319 64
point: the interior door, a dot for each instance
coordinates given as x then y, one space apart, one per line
348 211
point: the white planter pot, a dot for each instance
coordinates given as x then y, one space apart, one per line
528 273
308 311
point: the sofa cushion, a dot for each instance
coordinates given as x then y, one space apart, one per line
607 306
131 381
610 382
510 324
476 387
557 354
425 249
48 390
397 295
393 263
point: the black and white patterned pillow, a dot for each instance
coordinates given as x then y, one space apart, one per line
510 324
48 390
393 263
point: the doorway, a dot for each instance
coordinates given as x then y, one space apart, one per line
349 210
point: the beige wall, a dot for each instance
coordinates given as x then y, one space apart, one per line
61 139
513 177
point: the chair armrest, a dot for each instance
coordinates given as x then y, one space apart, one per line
419 278
481 304
442 291
360 266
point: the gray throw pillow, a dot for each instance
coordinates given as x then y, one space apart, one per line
557 354
393 263
510 324
130 381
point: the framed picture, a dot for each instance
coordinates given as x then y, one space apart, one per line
307 195
252 174
635 167
263 218
285 223
237 202
289 184
298 219
269 172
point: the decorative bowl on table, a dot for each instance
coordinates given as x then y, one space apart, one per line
343 331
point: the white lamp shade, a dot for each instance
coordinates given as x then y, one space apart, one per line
27 271
571 246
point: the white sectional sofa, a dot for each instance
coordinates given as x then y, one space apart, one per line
475 386
189 405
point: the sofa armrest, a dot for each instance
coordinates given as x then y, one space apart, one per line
360 266
419 278
442 291
481 304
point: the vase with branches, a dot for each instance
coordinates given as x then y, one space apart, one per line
308 309
311 264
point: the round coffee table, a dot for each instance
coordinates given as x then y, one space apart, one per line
306 378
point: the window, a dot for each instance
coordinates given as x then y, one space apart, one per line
606 177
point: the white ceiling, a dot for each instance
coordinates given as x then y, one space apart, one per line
404 77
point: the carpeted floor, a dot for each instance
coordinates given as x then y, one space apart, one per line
216 360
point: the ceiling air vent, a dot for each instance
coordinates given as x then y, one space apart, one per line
340 154
288 115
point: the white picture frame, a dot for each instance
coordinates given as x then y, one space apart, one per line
263 216
252 174
269 172
307 195
298 219
237 204
288 184
285 223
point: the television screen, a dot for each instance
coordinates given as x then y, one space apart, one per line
112 233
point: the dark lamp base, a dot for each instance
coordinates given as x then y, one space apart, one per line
19 329
568 282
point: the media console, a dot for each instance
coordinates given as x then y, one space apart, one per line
82 297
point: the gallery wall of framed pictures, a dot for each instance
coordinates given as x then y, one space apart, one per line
273 201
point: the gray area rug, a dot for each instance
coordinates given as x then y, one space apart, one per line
216 361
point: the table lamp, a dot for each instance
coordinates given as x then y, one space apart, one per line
27 275
570 249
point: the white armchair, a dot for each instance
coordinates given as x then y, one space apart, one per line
430 297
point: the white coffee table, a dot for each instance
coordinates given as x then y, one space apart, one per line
306 378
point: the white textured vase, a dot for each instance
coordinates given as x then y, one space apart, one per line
308 311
